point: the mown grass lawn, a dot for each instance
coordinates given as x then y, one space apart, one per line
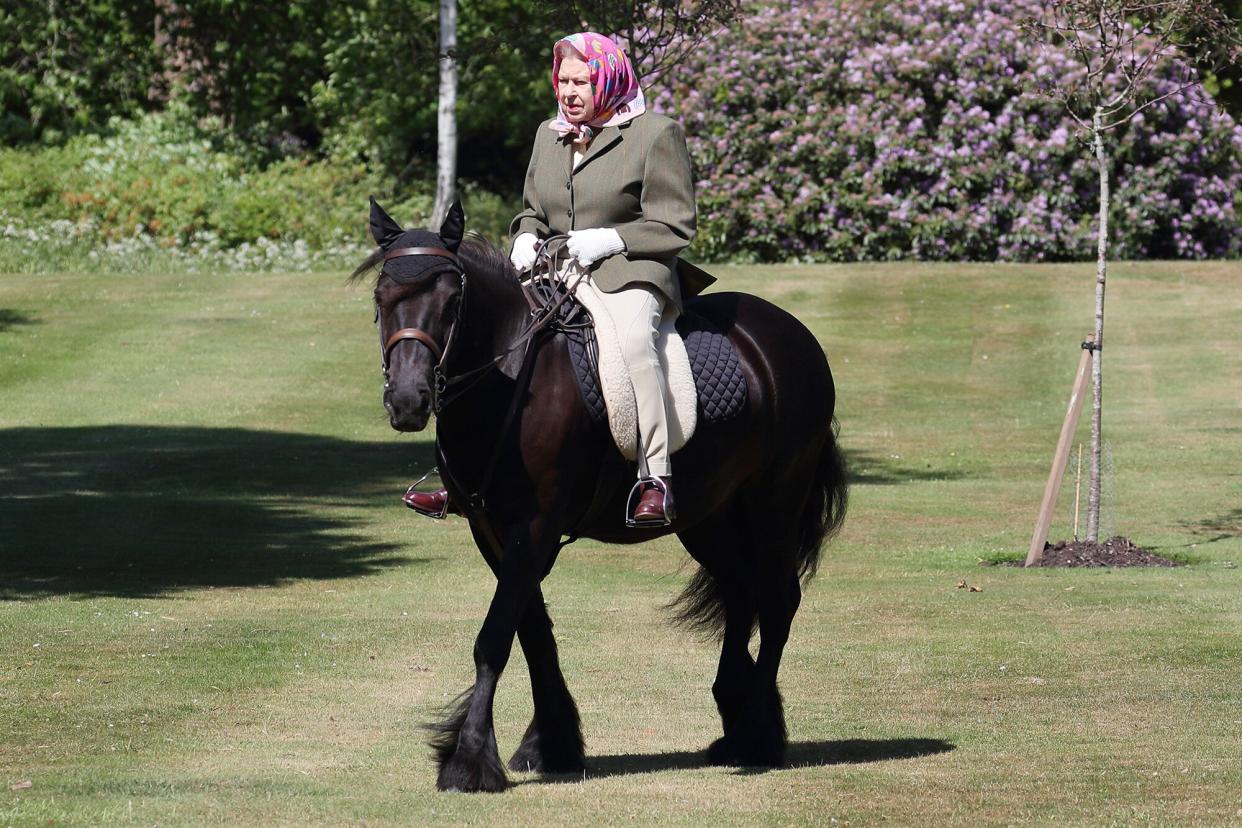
214 609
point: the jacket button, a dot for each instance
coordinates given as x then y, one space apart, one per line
569 213
569 185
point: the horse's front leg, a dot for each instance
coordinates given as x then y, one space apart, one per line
553 742
465 743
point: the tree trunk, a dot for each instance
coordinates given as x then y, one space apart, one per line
1101 268
446 160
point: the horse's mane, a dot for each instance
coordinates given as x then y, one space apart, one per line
481 256
478 255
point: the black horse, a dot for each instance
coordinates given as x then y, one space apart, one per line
757 495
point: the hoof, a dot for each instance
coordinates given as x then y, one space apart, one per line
735 753
531 758
526 758
723 753
471 774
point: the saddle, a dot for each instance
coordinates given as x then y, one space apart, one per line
703 369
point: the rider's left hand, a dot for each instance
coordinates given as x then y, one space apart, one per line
590 246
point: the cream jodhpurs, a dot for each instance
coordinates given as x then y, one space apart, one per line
637 312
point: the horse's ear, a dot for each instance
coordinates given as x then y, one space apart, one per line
384 230
453 227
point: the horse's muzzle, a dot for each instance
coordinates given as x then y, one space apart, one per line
408 411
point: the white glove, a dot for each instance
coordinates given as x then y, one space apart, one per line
590 246
523 255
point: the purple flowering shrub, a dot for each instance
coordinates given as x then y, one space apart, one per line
838 130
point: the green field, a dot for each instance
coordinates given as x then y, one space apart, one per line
214 609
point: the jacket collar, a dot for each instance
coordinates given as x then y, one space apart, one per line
601 143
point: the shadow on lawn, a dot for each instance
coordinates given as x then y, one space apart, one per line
867 469
141 511
799 755
10 318
1219 528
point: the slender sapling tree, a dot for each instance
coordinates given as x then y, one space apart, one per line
1123 48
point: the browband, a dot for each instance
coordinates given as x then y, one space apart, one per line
423 251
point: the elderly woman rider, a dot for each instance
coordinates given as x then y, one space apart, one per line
615 178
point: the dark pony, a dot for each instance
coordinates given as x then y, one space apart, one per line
757 494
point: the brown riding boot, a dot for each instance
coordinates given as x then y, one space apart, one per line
432 504
655 506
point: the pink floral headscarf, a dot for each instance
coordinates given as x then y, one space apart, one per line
618 97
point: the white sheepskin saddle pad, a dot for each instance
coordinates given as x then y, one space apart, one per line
618 390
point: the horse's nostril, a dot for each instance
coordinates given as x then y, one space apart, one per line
412 404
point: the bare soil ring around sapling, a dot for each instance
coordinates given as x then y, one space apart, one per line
1114 552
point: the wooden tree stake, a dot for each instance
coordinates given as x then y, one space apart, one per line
1053 487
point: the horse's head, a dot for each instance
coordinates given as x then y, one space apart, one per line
418 296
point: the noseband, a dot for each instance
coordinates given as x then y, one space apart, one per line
418 334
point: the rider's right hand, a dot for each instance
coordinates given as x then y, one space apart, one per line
523 255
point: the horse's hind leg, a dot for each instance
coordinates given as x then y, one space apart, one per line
720 594
734 678
763 566
553 742
764 738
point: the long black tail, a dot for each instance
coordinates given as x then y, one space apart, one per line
825 507
701 605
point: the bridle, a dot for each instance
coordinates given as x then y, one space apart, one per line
543 310
418 334
541 314
441 353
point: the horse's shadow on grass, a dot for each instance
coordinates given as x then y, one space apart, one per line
799 755
870 469
10 318
1226 526
145 511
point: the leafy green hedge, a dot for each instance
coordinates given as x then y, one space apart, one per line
183 182
65 67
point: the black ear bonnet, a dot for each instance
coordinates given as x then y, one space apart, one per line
390 236
408 268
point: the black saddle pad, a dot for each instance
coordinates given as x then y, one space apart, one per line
714 363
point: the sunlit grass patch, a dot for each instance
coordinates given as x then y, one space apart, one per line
215 609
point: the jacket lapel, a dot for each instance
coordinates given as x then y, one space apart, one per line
567 156
607 137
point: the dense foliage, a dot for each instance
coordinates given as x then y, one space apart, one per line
65 68
354 79
908 129
822 129
172 181
1225 80
377 97
250 63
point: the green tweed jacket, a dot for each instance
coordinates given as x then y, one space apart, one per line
634 178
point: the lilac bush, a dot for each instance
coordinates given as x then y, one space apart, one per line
843 131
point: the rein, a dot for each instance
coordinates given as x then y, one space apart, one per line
543 311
